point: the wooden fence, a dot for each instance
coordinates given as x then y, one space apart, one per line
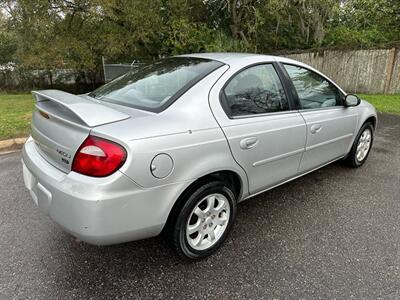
361 71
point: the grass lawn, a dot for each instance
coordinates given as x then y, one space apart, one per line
15 115
16 110
384 103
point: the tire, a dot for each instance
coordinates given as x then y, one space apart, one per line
354 158
206 223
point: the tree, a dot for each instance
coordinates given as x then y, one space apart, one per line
8 44
75 34
365 23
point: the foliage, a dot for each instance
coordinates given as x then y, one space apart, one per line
365 23
75 34
8 47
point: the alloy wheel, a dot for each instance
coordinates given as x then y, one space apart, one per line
207 221
364 143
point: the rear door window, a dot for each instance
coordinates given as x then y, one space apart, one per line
255 90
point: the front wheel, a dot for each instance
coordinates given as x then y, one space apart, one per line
204 221
362 146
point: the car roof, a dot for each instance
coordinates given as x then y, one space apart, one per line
233 57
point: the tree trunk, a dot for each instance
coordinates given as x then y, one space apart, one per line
235 26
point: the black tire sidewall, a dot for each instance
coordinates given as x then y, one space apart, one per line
179 235
353 153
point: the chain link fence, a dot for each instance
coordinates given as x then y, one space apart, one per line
112 71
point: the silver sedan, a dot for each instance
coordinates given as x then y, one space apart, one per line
174 145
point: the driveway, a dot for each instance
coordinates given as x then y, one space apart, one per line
334 233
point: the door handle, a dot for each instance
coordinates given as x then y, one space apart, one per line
315 128
248 143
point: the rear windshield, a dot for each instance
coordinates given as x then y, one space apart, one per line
155 86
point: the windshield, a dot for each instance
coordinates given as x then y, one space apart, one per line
155 86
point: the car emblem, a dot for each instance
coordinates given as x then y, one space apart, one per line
65 156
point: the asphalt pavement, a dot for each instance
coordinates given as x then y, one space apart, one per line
334 233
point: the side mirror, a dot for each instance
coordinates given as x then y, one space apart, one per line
351 100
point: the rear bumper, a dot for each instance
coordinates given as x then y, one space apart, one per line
99 211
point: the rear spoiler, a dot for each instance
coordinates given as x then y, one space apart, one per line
89 112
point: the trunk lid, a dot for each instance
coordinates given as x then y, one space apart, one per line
62 121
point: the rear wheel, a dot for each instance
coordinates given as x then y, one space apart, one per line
204 220
362 146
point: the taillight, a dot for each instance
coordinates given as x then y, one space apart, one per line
98 157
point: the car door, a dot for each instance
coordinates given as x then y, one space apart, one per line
330 125
266 138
